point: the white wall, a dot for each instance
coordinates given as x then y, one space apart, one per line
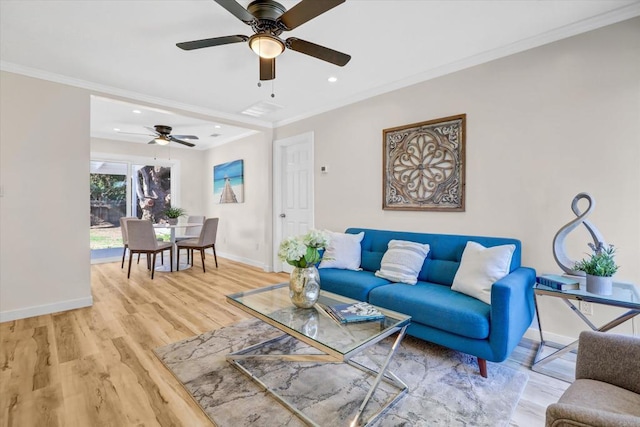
44 214
542 126
244 231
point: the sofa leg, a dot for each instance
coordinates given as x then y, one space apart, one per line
482 364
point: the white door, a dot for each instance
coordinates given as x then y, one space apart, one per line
293 201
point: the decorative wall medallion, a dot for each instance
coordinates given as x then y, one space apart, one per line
423 166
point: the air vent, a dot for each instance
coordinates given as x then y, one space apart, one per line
262 108
215 135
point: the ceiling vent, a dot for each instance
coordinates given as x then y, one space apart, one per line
215 135
262 108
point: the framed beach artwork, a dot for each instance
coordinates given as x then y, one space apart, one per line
228 182
424 165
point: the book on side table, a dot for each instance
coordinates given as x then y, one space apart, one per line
560 283
352 312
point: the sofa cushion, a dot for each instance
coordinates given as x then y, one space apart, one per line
402 261
343 251
480 268
436 306
349 283
444 256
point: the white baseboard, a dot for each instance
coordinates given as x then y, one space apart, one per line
247 261
39 310
534 334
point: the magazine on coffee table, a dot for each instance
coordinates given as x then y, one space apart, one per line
352 312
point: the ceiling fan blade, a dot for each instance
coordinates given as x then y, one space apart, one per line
216 41
267 68
305 11
153 141
317 51
174 139
185 136
237 10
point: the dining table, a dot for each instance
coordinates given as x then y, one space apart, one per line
174 262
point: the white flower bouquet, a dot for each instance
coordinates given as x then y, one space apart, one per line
303 251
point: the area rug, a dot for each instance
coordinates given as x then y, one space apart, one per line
445 387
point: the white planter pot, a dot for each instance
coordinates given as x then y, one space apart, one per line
599 285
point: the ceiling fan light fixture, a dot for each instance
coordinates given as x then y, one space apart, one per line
266 46
162 140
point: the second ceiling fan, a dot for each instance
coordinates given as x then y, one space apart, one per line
162 136
269 19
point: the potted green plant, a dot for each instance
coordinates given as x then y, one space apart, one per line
599 268
173 214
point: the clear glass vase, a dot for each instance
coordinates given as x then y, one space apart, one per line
304 286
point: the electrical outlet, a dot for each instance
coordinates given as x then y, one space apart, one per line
586 308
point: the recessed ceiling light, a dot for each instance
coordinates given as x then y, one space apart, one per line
137 112
116 129
217 126
332 79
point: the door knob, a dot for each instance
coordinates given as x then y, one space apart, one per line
283 215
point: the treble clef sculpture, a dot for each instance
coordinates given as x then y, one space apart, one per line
565 263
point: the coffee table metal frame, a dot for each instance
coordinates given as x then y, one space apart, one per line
625 295
400 322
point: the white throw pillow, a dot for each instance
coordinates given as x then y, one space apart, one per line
343 252
403 261
480 268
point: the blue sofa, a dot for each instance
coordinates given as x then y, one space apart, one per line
440 314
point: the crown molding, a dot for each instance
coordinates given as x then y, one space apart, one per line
609 18
134 96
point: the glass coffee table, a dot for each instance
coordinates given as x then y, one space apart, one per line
335 342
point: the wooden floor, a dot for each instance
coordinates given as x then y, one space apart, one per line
95 366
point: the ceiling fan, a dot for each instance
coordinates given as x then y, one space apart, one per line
269 19
163 136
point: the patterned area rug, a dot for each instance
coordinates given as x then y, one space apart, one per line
445 387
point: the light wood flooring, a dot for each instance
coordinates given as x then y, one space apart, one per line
95 366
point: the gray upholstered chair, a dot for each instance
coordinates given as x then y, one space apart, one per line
207 239
192 232
606 391
142 239
125 239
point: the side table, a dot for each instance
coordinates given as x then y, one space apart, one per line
625 295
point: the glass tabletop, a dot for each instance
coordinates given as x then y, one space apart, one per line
625 295
314 325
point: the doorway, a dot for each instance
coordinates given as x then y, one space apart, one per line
108 195
293 177
127 186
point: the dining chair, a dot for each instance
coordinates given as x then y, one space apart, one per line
207 239
192 232
142 240
125 241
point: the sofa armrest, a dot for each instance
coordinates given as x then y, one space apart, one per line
567 415
610 358
512 309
